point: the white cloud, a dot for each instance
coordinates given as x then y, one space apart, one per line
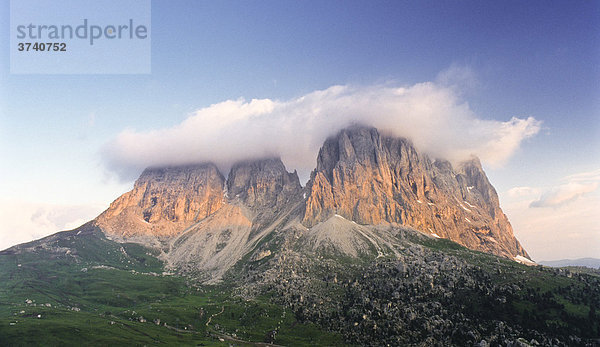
577 185
522 191
592 176
430 114
563 194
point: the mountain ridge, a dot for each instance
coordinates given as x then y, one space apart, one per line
196 216
240 264
593 263
406 187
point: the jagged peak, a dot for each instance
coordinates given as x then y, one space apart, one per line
164 173
178 168
372 178
361 137
265 168
262 182
268 164
368 176
356 143
472 161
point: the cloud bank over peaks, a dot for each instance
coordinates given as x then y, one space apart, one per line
431 114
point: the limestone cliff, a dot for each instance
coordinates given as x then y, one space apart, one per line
372 179
259 193
205 222
164 201
262 184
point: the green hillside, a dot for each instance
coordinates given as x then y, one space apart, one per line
77 287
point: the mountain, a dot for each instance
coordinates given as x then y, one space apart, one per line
372 179
383 246
205 222
593 263
164 201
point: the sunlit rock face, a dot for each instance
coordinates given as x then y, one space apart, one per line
365 184
165 200
371 179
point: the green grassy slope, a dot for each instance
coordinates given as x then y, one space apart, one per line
78 287
94 291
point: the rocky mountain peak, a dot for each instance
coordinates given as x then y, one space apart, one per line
473 175
165 199
185 193
355 177
364 146
350 145
370 178
262 183
362 176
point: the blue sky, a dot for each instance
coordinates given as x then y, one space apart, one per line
535 59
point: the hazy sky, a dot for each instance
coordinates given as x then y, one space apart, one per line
516 82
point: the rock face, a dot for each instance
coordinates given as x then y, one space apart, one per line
258 192
203 223
365 184
372 179
262 184
164 201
